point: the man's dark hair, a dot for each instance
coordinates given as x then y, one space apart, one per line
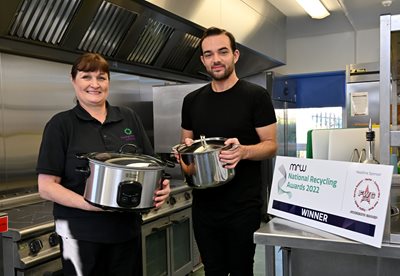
217 31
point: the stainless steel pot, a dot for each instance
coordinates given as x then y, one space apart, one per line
122 181
200 163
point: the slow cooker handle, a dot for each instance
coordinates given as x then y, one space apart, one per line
163 177
82 156
121 149
84 170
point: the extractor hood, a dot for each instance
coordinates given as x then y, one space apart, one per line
135 36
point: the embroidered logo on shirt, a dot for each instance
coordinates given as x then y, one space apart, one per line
129 136
128 131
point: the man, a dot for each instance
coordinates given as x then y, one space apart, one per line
226 217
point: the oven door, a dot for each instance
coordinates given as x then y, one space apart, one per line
49 268
155 246
167 245
181 242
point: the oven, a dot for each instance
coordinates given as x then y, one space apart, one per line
167 236
30 246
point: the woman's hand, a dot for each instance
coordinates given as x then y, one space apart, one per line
161 195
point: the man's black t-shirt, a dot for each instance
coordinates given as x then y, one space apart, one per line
75 132
236 112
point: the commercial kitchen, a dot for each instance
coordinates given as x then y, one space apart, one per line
333 78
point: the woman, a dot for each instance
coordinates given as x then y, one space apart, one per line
93 242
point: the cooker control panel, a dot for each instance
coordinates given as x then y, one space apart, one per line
35 246
172 200
32 250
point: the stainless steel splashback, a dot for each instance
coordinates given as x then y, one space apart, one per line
167 104
31 92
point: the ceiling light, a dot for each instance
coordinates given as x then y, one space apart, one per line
387 3
314 8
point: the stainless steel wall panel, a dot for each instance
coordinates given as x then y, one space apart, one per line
32 91
2 146
167 104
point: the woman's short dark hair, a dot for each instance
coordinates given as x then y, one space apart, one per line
217 31
90 62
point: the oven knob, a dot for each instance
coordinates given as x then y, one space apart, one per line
35 246
187 195
172 200
53 239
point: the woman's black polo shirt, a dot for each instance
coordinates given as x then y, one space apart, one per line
74 132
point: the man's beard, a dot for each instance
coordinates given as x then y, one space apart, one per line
216 76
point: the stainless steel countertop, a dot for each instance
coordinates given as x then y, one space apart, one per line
285 233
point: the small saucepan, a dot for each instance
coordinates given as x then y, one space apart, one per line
200 163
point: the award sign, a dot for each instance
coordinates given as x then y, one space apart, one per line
345 198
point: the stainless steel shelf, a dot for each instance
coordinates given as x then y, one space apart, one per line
285 233
320 249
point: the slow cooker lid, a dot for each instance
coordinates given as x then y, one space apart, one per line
133 162
129 160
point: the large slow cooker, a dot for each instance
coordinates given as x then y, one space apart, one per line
122 181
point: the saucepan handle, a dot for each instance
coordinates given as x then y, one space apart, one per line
230 147
167 163
177 148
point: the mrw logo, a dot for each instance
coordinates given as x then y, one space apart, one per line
282 181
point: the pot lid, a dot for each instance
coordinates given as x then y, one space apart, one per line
128 160
204 145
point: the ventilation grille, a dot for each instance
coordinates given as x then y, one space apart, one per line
150 43
107 30
182 53
43 20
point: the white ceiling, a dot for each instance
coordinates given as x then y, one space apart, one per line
346 15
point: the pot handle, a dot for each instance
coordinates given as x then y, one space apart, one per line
230 147
177 148
121 149
169 163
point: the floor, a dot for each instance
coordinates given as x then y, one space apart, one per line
259 263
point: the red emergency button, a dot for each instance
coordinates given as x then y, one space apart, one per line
3 223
